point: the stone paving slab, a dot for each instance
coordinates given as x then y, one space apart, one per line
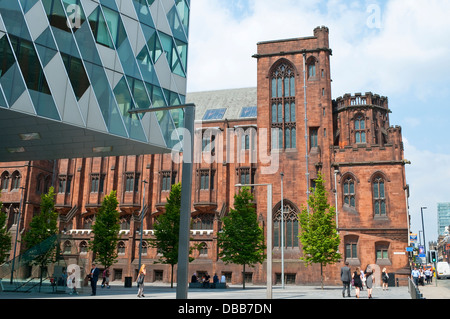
231 293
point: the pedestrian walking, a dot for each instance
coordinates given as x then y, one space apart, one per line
428 275
93 277
384 279
71 283
357 282
422 277
346 277
415 276
370 280
363 279
105 281
140 281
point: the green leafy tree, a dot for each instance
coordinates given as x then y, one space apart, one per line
167 231
5 237
106 231
242 239
318 235
42 227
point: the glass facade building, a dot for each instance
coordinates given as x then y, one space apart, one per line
71 70
443 212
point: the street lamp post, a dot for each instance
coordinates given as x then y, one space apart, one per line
336 198
142 224
17 233
269 235
423 230
282 232
186 183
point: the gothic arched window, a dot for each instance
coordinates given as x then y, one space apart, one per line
203 222
349 192
291 227
379 197
360 129
282 103
5 181
15 180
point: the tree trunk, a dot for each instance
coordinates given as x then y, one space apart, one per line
243 278
321 275
171 278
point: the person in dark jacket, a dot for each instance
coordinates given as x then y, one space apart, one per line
346 278
93 277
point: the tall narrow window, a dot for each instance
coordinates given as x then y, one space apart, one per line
360 130
349 192
132 182
291 227
168 179
351 247
206 179
313 132
379 197
15 180
311 68
5 181
283 107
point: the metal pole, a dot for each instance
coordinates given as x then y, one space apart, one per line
423 230
186 183
142 225
306 128
185 218
282 233
17 233
336 198
269 241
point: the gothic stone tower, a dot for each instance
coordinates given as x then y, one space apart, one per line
350 142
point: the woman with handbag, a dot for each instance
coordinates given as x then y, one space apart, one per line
357 281
140 281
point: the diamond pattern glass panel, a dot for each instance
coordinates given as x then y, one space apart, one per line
92 46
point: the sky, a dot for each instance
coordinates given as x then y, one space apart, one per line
394 48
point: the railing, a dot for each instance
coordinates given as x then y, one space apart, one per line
414 291
26 258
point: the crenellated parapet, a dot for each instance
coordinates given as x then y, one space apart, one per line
361 120
367 100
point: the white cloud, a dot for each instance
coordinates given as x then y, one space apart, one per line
406 53
428 177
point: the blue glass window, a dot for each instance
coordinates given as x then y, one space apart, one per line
249 111
77 74
6 53
99 29
216 114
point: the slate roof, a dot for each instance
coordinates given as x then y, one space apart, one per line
232 100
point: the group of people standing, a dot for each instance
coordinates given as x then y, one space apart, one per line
419 276
205 279
360 279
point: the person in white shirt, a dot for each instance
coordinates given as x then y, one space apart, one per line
415 276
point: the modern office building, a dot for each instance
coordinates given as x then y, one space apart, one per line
71 70
288 123
443 212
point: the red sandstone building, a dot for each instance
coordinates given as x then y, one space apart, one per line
247 136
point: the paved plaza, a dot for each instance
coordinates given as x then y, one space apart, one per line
220 303
234 292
